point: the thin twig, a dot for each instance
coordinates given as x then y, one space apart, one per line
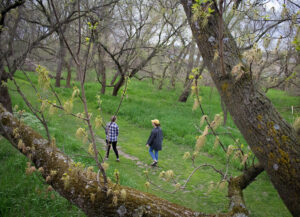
197 168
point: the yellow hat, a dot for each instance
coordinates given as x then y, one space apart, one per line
155 121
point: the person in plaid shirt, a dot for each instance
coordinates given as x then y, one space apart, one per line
112 132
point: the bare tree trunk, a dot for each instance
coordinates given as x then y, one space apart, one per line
190 64
187 84
187 90
101 67
173 77
118 85
6 7
177 64
114 78
273 141
152 78
5 99
69 69
161 83
60 60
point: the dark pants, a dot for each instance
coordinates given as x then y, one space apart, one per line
114 145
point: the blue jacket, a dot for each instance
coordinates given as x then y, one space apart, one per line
155 139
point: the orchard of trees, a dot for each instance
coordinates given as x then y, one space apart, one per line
242 48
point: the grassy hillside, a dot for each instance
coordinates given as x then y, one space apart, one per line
22 195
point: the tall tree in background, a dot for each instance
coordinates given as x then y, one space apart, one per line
189 67
142 30
22 31
104 18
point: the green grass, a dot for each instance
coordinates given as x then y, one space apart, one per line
23 195
144 102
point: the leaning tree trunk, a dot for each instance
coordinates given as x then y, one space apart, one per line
118 85
80 186
187 90
273 141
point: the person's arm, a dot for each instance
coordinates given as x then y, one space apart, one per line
151 137
117 130
106 129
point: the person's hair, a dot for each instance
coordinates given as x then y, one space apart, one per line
113 118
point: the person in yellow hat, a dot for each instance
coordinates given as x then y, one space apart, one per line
155 141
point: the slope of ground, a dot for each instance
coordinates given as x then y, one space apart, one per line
26 194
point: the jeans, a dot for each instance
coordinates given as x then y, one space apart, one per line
153 155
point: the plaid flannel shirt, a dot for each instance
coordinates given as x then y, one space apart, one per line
112 132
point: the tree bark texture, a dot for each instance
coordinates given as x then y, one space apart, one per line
82 188
271 138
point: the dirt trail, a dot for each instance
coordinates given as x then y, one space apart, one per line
122 153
